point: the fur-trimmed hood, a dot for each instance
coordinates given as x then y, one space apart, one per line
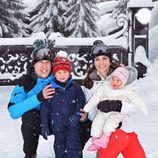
95 77
133 75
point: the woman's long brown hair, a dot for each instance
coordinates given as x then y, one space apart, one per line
88 83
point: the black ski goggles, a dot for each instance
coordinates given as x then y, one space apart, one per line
100 49
40 54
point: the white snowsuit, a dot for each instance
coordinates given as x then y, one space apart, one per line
108 122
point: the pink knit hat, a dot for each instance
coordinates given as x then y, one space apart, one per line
122 73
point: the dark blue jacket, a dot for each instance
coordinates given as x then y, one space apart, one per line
66 103
24 95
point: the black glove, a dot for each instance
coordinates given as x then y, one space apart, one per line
40 97
110 105
74 120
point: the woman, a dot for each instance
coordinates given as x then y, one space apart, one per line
123 140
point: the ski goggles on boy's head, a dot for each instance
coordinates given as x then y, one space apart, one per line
41 54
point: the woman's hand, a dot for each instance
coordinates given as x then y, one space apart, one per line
83 115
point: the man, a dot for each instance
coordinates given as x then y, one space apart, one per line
31 90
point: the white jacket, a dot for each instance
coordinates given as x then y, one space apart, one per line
108 122
126 94
127 108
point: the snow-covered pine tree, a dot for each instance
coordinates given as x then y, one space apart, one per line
48 17
121 7
12 19
154 20
63 6
80 19
102 1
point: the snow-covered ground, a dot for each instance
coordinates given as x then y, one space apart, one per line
10 135
146 127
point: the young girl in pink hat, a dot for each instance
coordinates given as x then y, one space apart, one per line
116 88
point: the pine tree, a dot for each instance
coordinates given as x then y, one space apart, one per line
102 1
121 7
80 19
48 17
12 19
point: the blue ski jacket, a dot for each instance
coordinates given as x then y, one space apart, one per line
24 95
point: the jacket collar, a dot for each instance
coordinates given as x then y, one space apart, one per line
57 84
96 77
48 79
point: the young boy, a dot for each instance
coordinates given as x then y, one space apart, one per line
117 88
61 114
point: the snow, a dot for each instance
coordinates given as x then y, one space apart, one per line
146 127
31 4
154 14
153 38
106 7
141 55
10 135
22 41
102 23
141 3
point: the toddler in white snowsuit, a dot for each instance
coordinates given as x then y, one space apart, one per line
116 88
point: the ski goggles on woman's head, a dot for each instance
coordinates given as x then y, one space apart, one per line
100 49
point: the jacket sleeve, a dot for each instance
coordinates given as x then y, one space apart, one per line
19 103
127 108
95 99
44 115
137 102
87 92
80 100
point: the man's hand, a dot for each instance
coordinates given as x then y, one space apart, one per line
48 92
83 115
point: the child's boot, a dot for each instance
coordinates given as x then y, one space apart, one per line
102 141
93 147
